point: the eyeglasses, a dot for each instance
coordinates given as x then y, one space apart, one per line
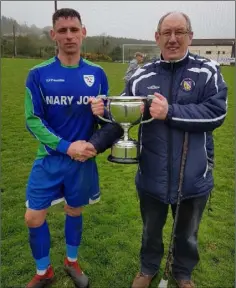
178 34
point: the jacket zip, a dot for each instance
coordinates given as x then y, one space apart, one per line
170 101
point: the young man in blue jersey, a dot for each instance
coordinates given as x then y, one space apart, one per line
59 115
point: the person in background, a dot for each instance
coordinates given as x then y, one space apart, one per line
133 66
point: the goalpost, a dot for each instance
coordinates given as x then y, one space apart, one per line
149 50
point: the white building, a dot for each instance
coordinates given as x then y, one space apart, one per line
220 50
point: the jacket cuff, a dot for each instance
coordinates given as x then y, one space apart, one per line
63 146
106 114
96 145
169 113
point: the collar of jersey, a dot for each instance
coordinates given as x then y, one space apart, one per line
72 66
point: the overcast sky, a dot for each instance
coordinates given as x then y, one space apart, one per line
134 19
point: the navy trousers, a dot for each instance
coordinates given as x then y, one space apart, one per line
154 214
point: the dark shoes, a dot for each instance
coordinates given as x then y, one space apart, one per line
185 284
142 281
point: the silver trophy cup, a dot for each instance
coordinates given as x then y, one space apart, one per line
125 111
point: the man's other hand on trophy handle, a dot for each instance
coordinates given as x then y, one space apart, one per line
159 107
97 106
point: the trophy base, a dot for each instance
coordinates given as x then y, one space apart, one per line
113 159
125 152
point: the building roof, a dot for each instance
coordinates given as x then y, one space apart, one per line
213 42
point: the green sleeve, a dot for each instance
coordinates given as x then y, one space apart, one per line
34 115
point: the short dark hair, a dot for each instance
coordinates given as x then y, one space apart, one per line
65 13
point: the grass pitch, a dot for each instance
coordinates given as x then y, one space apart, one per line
109 252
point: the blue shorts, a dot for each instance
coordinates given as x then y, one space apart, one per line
54 179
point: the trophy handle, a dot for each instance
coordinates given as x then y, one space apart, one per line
104 119
147 121
149 97
103 97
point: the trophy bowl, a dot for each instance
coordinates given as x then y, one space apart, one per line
125 111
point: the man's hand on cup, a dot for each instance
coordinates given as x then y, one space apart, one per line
97 106
81 150
159 107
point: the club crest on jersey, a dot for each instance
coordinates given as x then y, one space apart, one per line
89 80
187 84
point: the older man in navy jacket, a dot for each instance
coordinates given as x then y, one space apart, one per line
191 96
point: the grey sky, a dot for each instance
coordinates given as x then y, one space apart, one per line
134 19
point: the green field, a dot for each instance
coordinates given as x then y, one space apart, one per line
112 228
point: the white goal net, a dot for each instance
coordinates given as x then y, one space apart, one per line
150 51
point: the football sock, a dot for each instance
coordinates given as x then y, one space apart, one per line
73 234
39 239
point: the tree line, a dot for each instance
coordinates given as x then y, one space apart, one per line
30 41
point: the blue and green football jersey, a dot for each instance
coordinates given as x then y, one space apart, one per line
56 103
